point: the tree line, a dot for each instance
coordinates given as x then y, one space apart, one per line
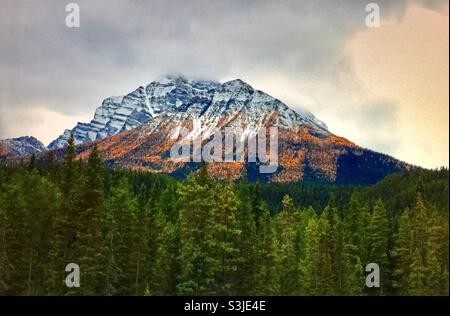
133 233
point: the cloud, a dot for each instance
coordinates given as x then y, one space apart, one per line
123 44
36 118
407 63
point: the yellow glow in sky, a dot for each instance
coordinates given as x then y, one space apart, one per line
406 60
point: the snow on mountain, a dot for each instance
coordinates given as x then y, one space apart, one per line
182 98
144 125
22 146
138 131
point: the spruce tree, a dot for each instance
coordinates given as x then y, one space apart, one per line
140 250
247 251
88 231
356 222
428 274
28 204
225 239
166 270
336 248
118 276
4 264
209 235
378 236
401 254
311 263
265 264
286 228
325 275
196 214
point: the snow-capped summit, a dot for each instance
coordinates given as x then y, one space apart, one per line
176 95
138 131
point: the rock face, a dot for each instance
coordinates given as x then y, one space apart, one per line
20 147
177 95
139 130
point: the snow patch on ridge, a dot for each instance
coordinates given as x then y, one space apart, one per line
207 101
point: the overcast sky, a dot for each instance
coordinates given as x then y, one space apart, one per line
384 88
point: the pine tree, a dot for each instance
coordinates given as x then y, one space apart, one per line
52 167
337 253
133 233
166 270
356 223
225 239
419 239
421 252
286 228
28 204
355 240
325 276
310 264
437 273
119 217
401 254
209 235
247 252
378 236
162 252
63 248
17 229
88 231
439 245
42 198
140 250
266 274
428 274
197 202
69 172
4 264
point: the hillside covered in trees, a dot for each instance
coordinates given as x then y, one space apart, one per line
135 233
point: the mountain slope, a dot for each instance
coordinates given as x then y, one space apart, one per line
22 146
169 95
307 151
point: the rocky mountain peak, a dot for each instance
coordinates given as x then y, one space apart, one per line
21 146
180 97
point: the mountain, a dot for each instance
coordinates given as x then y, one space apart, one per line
169 94
22 146
139 130
116 114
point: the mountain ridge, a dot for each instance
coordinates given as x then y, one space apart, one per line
120 113
138 130
20 147
308 151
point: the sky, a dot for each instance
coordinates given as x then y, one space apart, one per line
384 88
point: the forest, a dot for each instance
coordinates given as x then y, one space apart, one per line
136 233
